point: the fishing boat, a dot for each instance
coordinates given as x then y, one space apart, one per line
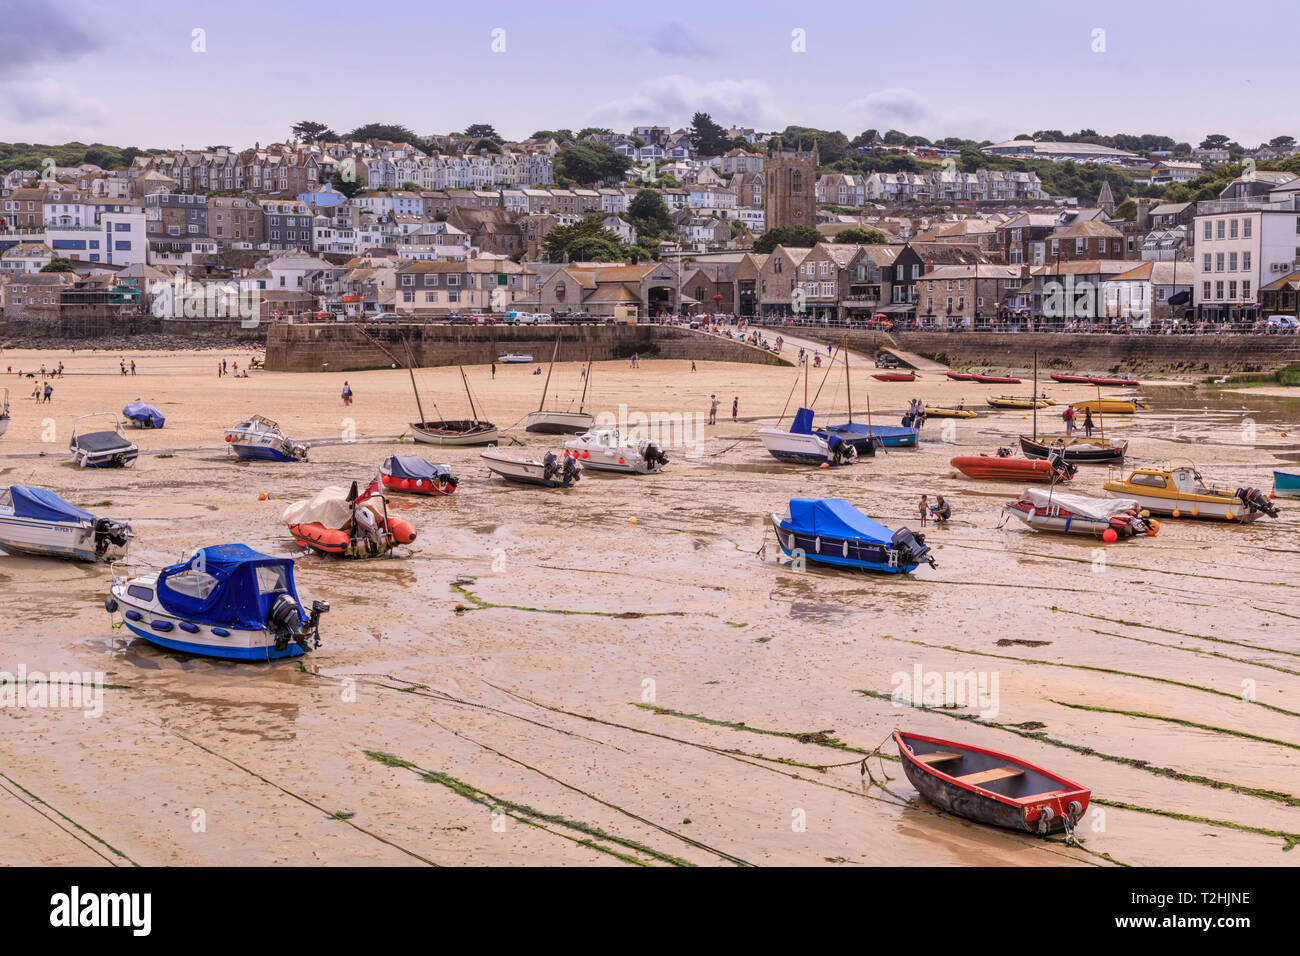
1004 467
604 450
4 410
145 416
1076 449
1081 514
1286 484
990 787
514 358
831 531
1111 406
895 377
1016 401
1070 379
1114 382
105 448
38 522
227 601
260 439
550 472
1181 492
347 523
413 475
555 422
995 379
940 411
961 376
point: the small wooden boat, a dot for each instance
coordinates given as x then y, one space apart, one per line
1115 382
260 439
547 473
1003 467
990 787
832 531
107 448
413 475
1071 379
895 376
1111 406
464 432
995 379
1015 401
1286 484
939 411
1076 449
961 376
1182 493
1105 518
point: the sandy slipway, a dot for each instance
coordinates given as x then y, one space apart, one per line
543 679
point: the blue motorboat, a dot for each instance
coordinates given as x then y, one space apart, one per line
144 415
226 601
260 439
887 436
832 531
1286 484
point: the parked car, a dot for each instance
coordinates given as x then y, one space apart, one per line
886 360
384 317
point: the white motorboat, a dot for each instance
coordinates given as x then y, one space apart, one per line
260 439
106 448
803 446
514 358
1048 510
4 410
38 522
605 450
550 472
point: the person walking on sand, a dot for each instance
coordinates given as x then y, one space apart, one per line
347 393
48 391
132 368
735 407
713 410
925 509
494 371
1087 422
220 369
692 365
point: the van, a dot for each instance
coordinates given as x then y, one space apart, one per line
1283 323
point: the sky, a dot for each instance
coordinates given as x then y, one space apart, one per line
150 73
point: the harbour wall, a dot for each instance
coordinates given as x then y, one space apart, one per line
337 347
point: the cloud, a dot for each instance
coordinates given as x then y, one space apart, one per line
673 39
890 108
44 101
674 98
37 33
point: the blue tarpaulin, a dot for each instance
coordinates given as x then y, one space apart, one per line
143 414
228 585
42 505
414 467
835 518
802 424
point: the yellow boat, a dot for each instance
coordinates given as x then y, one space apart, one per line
932 411
1013 401
1111 406
1182 493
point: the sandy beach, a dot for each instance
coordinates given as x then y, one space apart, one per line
624 672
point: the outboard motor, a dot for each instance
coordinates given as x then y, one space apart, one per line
1061 468
1253 499
549 466
572 471
447 479
911 547
842 451
285 622
654 455
109 532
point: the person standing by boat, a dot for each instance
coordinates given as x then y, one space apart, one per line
713 409
1068 417
925 509
735 407
1087 422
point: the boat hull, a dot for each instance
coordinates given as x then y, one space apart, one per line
148 620
995 379
839 552
895 377
1110 406
1076 454
961 376
932 412
522 472
1071 379
795 448
559 423
258 452
455 433
53 539
1025 403
889 436
994 468
1286 485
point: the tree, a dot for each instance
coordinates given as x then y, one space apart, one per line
708 138
585 241
649 215
587 162
801 236
559 135
58 264
309 131
390 131
593 131
1214 141
481 131
348 187
1282 142
491 145
861 237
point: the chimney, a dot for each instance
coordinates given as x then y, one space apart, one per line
1144 215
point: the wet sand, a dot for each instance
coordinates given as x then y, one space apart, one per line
624 671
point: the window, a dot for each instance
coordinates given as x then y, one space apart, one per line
1232 290
1245 259
408 296
1206 262
1232 228
1218 262
1219 229
1218 290
1245 290
1245 228
408 280
1232 259
1205 290
1209 229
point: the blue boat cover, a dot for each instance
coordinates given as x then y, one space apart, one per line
240 596
42 505
144 414
835 518
880 431
802 424
413 466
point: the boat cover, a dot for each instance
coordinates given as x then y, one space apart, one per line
414 467
330 507
227 585
41 505
1098 509
101 442
835 518
802 424
880 431
144 414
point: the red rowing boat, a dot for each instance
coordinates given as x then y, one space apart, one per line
990 787
1006 468
1115 382
996 379
896 377
961 376
1071 379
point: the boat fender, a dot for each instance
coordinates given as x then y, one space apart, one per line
844 548
110 605
1045 819
817 545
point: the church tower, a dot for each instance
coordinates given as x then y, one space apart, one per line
790 188
1106 198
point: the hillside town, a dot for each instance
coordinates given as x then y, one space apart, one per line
645 224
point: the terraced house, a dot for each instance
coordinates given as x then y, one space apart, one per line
437 288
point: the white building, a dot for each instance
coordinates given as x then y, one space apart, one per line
1242 244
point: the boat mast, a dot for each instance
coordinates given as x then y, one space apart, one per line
411 371
582 402
806 363
472 411
547 384
848 383
1034 397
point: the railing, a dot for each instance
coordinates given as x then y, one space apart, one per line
1211 207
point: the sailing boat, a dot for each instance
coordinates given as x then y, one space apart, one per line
1075 449
864 439
556 422
803 446
448 431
